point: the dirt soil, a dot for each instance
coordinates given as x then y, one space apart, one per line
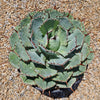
12 11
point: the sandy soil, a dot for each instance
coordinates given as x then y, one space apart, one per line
12 11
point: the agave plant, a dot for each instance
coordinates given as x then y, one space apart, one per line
51 49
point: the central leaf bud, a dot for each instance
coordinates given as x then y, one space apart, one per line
50 28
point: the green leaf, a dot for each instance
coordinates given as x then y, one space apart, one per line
67 85
71 82
25 21
14 39
62 50
38 14
49 25
70 47
42 56
24 35
21 51
79 37
62 34
63 85
27 81
43 41
63 77
89 58
81 70
46 72
76 23
58 62
77 73
85 51
87 39
35 57
42 15
55 14
65 23
14 59
46 51
36 41
44 84
36 33
74 62
28 69
36 23
54 44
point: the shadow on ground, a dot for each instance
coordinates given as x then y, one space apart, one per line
62 92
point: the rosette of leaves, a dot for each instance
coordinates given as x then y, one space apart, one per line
51 49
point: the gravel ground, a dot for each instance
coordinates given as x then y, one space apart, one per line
12 11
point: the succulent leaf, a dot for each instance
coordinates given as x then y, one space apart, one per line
65 50
90 57
14 39
46 51
63 22
28 69
54 44
79 36
54 14
43 84
42 15
85 51
35 57
74 62
63 35
71 82
20 50
81 70
27 81
63 77
76 23
58 62
46 73
14 59
24 35
87 39
49 25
